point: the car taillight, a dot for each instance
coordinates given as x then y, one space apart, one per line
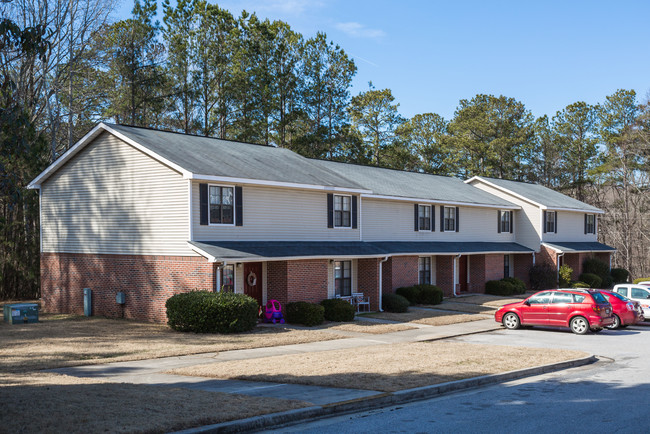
597 308
630 306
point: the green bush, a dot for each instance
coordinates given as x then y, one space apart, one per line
301 312
565 276
591 279
411 293
619 275
642 279
520 286
338 310
599 268
211 312
580 285
394 303
429 294
542 276
499 287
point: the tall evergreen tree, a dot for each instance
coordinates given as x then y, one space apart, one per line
426 136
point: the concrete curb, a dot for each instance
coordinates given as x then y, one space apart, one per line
381 400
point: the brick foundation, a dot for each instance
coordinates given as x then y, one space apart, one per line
147 281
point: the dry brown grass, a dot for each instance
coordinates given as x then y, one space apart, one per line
368 327
487 299
427 316
67 340
385 368
49 403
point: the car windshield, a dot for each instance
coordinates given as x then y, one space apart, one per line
598 297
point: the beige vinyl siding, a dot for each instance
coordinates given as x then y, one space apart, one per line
570 227
113 199
274 214
387 220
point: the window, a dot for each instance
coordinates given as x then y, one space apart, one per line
562 297
542 298
622 290
450 219
342 211
590 224
505 221
343 278
640 293
550 221
424 269
424 215
221 205
506 265
227 278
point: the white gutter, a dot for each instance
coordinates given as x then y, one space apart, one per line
533 258
218 277
189 210
456 258
381 278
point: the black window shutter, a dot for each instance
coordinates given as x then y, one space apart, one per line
442 218
433 218
512 220
416 218
544 222
499 222
354 212
203 202
457 219
556 222
239 207
585 223
330 210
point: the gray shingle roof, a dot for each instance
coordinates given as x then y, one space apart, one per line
389 182
215 157
576 247
541 195
419 247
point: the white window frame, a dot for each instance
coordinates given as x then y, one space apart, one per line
452 218
222 270
234 217
505 218
550 215
424 260
593 223
428 219
334 210
343 262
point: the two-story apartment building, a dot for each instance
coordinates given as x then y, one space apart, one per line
151 213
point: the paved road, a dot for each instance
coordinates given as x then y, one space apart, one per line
610 396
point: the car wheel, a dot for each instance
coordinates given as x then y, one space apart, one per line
616 324
511 321
579 325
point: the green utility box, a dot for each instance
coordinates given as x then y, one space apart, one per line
21 313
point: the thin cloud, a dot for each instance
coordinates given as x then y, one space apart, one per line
359 30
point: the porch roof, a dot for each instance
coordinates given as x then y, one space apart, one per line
579 247
249 251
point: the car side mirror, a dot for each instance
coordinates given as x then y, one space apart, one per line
527 303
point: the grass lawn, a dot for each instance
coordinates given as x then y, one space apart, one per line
432 317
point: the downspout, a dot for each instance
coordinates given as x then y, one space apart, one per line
559 255
456 272
381 278
533 259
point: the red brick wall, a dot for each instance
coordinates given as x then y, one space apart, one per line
476 273
307 280
276 281
147 281
403 271
493 268
546 255
445 274
368 280
522 264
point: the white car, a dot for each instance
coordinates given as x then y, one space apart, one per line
637 292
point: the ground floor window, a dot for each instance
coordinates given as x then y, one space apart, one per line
424 269
506 265
228 278
343 278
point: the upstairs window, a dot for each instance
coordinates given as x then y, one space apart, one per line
343 278
590 223
550 221
505 221
424 271
221 205
424 215
342 211
449 219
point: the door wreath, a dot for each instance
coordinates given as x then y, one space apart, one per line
251 279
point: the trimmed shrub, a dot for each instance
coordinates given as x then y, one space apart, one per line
429 294
591 279
642 279
411 293
499 287
542 276
338 310
301 312
597 267
394 303
580 285
520 286
619 275
211 312
565 276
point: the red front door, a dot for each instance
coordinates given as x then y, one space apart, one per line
462 273
253 280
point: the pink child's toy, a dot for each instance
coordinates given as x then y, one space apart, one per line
273 312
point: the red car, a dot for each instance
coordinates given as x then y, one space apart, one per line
626 311
580 310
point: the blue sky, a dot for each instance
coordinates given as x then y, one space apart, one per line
431 54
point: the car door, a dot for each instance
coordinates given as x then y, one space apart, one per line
642 295
535 311
561 305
